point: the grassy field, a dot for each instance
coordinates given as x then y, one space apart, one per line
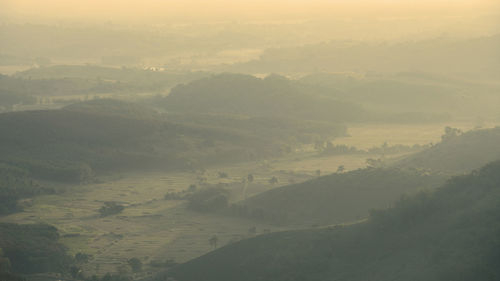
151 228
370 135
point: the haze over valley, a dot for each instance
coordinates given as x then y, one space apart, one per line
249 140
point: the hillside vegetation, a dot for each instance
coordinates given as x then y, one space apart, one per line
273 96
288 132
98 78
72 143
415 95
458 152
465 57
335 198
334 98
449 234
31 248
343 197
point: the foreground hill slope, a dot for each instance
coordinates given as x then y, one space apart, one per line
31 248
451 234
335 198
349 196
458 153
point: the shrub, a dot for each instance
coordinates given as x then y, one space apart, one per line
110 208
208 199
135 264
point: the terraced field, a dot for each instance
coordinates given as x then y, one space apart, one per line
153 229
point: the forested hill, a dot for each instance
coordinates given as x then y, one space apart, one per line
465 57
58 144
109 135
458 152
335 198
80 141
274 96
450 234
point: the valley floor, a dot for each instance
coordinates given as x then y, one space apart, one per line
154 229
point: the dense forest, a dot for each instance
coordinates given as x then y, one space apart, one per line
32 249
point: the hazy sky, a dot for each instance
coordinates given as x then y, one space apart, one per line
158 10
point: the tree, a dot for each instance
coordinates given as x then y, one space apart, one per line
208 199
85 173
374 163
340 169
213 241
76 272
318 172
252 230
135 264
273 180
450 133
82 257
250 178
110 208
4 262
192 188
319 145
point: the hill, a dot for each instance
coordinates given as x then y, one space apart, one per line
10 94
463 57
114 107
31 248
116 79
71 139
450 234
458 152
72 143
349 196
439 96
289 132
320 98
274 96
87 139
335 198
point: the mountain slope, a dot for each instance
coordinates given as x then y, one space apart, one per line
274 96
108 135
335 198
346 197
466 57
439 96
458 153
451 234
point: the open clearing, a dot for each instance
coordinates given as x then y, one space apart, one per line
370 135
151 228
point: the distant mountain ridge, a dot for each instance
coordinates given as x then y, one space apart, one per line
466 57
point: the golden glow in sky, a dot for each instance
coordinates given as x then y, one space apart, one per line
139 10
